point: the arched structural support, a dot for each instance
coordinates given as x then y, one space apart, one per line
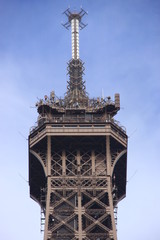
37 176
117 158
40 160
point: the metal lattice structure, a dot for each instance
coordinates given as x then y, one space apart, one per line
78 157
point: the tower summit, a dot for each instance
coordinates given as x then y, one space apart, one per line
77 157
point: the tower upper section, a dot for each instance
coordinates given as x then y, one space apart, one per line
76 105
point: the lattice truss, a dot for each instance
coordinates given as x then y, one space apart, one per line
79 168
76 95
86 165
63 218
67 171
79 172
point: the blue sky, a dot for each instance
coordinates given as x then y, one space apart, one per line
121 50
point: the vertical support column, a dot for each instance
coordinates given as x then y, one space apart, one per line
79 216
79 199
108 152
48 186
78 162
64 171
93 171
93 162
63 162
109 180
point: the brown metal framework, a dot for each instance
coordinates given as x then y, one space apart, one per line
77 159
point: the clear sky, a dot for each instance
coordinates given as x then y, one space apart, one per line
121 50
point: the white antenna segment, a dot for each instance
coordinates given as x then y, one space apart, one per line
75 38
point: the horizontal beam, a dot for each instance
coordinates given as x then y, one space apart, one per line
79 131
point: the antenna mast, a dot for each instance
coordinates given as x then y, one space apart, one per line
76 95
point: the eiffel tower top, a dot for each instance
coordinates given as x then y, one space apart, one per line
76 104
